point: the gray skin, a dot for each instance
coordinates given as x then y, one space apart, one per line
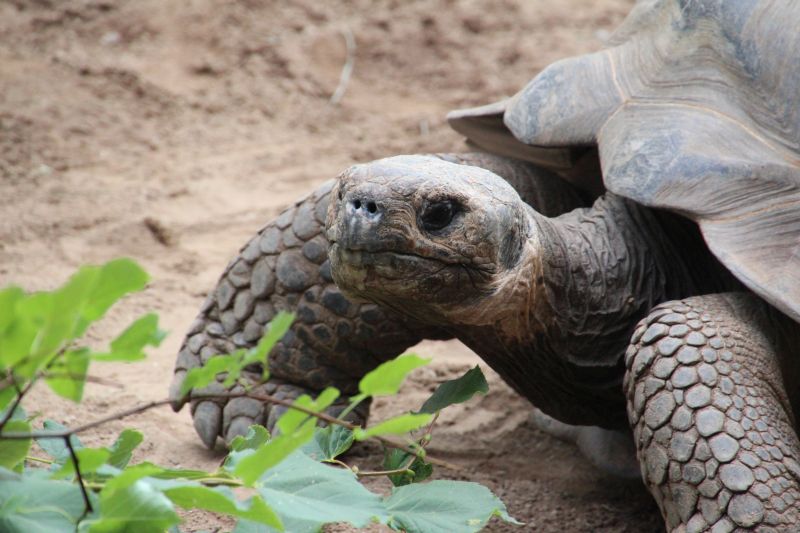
334 340
552 304
668 304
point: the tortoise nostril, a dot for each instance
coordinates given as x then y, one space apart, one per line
357 204
371 207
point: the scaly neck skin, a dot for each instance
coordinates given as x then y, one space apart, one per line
556 327
591 274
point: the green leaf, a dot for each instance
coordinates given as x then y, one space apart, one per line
296 429
18 414
138 507
256 436
179 473
8 302
386 379
29 504
55 447
21 332
222 500
123 447
131 475
89 460
457 390
249 466
307 494
7 395
292 418
114 280
62 322
147 508
13 451
199 377
394 426
35 327
396 459
129 345
277 328
444 507
243 446
421 469
70 374
329 443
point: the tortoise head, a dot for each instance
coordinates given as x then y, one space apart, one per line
424 236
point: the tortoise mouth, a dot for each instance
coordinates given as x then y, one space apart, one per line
391 276
386 264
360 257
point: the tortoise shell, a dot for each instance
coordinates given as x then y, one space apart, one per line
694 107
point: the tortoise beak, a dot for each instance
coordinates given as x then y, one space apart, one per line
361 216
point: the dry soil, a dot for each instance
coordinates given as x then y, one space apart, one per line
171 131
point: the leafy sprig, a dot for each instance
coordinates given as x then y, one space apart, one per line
295 480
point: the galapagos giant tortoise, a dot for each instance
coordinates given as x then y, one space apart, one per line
663 297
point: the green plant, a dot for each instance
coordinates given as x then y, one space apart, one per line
295 481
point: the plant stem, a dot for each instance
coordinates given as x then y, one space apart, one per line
18 400
39 459
385 472
338 462
261 397
355 401
84 427
87 504
213 481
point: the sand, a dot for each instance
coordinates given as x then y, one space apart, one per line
170 132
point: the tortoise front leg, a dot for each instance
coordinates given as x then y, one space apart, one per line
333 340
713 424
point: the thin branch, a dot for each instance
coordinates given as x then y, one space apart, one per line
333 420
84 427
338 462
20 394
65 375
33 458
261 397
347 69
369 473
375 473
87 504
89 379
423 441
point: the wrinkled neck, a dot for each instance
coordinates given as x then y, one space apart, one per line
603 269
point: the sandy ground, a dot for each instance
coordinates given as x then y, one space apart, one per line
171 131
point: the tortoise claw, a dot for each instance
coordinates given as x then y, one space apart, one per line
207 422
176 401
238 426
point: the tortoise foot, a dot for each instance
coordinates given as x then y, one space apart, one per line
611 451
232 417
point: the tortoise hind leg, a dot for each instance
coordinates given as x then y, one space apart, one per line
712 420
333 341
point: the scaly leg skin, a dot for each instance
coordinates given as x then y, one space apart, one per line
333 341
714 427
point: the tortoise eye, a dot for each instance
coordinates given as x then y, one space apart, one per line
438 215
